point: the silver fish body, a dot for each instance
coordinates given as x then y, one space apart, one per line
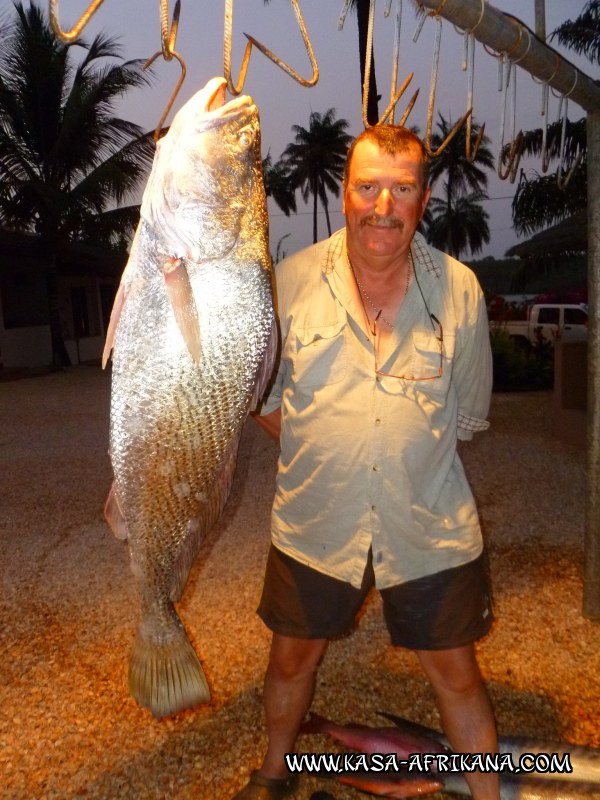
193 344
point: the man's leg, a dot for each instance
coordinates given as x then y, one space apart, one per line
287 694
465 709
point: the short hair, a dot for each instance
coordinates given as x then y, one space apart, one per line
391 139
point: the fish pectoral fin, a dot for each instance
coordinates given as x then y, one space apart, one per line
115 316
181 297
114 515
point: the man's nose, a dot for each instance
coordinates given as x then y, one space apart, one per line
385 202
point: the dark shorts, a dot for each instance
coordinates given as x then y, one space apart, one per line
438 612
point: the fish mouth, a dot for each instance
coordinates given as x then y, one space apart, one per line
215 107
216 100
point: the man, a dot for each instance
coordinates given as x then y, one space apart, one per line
385 362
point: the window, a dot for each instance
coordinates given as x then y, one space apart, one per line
549 316
575 316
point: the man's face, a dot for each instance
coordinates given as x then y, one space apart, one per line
384 200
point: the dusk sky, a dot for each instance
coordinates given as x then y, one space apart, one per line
282 102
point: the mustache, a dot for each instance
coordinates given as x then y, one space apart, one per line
382 222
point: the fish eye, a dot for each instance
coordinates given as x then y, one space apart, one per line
245 138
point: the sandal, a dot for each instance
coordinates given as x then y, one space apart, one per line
261 788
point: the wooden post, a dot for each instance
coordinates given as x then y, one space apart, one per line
591 577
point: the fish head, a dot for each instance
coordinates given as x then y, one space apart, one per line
206 189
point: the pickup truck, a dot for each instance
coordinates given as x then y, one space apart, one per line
547 322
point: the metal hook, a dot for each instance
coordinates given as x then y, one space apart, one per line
168 37
344 14
545 154
235 89
563 182
396 94
368 63
168 52
470 48
396 56
175 92
393 102
516 146
432 89
68 37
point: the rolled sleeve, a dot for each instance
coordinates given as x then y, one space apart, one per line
473 375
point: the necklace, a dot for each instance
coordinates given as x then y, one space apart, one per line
363 292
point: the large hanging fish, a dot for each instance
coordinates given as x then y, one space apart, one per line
194 342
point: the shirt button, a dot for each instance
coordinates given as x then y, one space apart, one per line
377 422
373 508
375 468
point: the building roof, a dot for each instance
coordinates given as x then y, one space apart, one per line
568 236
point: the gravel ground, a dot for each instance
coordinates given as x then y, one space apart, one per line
69 729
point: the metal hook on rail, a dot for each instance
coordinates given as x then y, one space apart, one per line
563 182
68 37
396 61
432 89
469 65
344 14
168 40
516 145
396 94
235 89
471 155
545 98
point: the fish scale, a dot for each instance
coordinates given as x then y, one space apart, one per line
194 343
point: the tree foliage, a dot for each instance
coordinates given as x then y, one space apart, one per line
583 34
458 223
278 184
456 220
316 159
539 200
67 163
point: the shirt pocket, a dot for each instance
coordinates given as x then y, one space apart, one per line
320 357
427 361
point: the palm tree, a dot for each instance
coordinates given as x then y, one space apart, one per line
278 184
65 160
539 201
457 220
461 173
316 159
583 34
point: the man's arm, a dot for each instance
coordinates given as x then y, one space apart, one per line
271 424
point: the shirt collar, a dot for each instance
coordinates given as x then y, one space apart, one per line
421 254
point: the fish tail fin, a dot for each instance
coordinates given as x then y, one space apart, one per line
181 298
166 677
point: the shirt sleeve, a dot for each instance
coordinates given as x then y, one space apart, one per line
272 399
472 371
